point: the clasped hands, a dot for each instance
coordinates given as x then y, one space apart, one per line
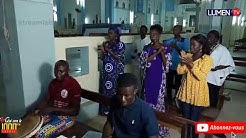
174 45
161 50
104 47
186 59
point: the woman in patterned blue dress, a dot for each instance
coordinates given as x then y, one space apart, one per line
155 60
113 64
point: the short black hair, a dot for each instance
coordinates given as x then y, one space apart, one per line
215 33
156 27
201 39
178 26
145 27
62 63
127 80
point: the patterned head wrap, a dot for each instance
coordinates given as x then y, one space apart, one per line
116 30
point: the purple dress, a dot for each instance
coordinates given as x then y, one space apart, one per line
155 80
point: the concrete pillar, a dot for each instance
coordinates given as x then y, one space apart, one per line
109 11
216 20
27 55
204 20
103 11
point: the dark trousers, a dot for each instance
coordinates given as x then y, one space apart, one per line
213 98
191 112
213 94
173 79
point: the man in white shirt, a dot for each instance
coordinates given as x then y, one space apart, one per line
223 65
138 47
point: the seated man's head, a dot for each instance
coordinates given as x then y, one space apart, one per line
127 88
61 70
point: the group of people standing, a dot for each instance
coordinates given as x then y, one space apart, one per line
196 71
195 68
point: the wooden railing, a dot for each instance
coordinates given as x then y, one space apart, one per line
240 62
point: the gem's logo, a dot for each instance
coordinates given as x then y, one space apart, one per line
224 12
9 125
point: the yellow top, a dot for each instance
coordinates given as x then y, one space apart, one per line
194 87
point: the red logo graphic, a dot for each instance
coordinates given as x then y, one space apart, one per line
236 12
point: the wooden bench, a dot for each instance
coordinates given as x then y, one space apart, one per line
208 115
239 44
240 62
164 119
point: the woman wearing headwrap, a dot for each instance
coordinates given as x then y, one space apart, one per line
113 64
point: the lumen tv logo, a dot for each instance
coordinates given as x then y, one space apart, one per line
224 12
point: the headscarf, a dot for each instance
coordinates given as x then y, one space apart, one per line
116 30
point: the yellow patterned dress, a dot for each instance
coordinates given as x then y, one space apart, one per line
194 88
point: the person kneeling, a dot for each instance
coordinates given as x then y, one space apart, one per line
61 104
129 116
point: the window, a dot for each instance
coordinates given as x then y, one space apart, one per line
55 13
152 19
78 59
123 5
131 17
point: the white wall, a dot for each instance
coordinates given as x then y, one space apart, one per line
204 20
237 30
103 11
36 40
11 88
179 12
93 8
227 25
68 6
216 21
91 81
121 13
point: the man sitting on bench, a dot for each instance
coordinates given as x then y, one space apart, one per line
61 104
129 116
